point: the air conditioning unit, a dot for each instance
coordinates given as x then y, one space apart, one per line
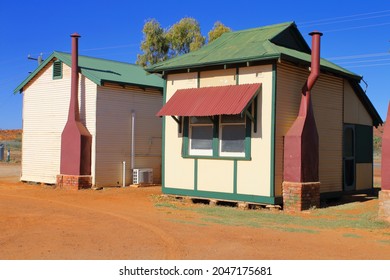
143 176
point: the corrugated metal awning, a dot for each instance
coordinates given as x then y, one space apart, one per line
210 101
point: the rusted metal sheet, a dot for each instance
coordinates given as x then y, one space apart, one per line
210 101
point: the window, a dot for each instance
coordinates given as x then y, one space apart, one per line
232 136
57 70
201 136
221 136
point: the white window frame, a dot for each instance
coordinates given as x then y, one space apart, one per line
199 152
221 125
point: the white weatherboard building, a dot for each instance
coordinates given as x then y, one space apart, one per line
118 102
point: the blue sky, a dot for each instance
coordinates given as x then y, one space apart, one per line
356 34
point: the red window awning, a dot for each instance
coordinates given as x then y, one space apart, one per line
210 101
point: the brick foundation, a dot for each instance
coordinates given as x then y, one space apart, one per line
300 196
384 205
74 182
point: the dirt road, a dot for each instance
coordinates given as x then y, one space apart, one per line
41 222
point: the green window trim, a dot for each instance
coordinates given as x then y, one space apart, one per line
57 70
216 141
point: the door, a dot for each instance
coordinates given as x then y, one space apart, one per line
349 164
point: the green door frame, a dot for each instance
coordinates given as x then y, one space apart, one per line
349 157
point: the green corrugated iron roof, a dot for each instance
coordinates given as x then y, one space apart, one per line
102 70
264 43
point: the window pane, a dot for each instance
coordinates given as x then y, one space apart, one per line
200 120
233 138
349 142
201 137
232 119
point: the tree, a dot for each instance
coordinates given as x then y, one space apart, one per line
154 46
184 36
218 29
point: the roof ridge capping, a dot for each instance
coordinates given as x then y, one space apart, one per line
98 58
286 24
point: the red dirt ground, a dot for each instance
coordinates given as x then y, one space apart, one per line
41 222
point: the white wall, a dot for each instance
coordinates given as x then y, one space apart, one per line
113 133
45 111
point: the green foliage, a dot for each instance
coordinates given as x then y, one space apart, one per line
155 45
218 29
377 143
184 36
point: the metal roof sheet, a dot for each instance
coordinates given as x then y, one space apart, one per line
210 101
102 70
264 43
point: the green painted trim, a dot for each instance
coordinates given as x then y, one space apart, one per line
235 177
248 138
237 76
163 138
32 75
198 80
218 157
273 129
185 136
223 196
195 174
216 136
55 63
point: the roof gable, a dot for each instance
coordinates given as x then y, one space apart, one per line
100 71
291 38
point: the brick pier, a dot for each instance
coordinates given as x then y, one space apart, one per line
384 205
74 182
300 196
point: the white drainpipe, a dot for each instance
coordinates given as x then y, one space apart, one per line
123 173
132 139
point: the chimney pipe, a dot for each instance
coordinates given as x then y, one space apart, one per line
315 60
74 88
314 73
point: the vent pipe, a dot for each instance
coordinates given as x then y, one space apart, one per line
301 145
76 141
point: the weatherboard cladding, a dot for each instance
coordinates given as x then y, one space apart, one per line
210 101
45 111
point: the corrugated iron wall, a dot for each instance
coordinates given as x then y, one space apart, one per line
327 97
113 133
